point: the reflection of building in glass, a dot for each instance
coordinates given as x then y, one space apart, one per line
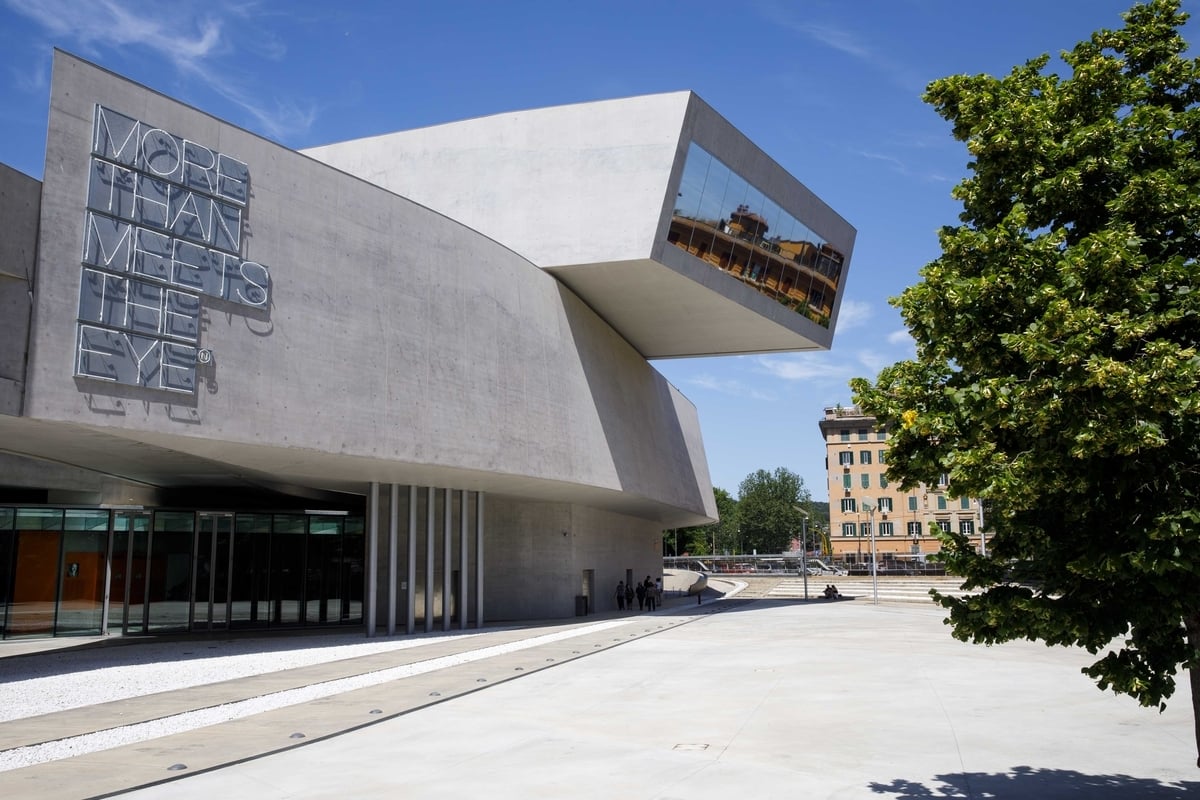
723 220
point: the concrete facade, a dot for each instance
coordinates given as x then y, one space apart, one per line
20 197
602 180
323 338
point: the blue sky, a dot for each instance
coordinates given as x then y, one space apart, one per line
829 88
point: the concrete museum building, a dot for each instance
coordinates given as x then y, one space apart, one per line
398 383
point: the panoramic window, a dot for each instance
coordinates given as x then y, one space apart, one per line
723 220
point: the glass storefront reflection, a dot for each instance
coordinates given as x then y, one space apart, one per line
175 570
723 220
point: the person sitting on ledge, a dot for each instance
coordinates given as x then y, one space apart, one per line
831 592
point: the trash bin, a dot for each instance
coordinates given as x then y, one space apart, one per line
581 605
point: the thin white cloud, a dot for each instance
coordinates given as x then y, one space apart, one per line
815 367
200 49
853 314
843 41
873 361
900 337
729 386
104 23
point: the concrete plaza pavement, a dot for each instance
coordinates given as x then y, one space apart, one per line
779 698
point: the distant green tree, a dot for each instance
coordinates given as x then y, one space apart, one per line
767 510
1057 373
698 540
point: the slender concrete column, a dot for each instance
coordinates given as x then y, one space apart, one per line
393 556
479 560
372 555
447 541
108 565
462 560
430 507
410 626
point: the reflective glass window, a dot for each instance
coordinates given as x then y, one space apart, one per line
250 578
288 553
39 519
727 222
169 584
81 587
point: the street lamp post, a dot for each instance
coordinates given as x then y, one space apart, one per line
982 538
869 505
803 547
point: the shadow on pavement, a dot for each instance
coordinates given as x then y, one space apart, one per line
1033 783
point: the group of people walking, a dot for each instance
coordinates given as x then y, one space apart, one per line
647 592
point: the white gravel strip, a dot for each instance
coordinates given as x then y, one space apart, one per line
130 734
88 677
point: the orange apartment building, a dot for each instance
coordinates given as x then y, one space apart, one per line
905 522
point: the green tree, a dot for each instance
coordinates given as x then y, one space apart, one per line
1056 365
699 540
767 514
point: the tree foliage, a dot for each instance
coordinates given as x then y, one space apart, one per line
767 513
1056 372
699 540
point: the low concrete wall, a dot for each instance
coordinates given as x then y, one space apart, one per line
684 581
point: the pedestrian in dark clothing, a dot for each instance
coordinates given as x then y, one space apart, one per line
651 594
641 595
621 596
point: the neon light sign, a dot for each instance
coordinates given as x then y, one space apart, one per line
163 228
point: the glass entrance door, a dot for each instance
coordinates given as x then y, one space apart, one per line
210 580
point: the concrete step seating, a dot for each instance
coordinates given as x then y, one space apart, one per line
891 590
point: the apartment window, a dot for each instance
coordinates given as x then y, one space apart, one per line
944 479
883 456
849 505
862 434
865 479
944 525
864 457
941 502
864 529
844 433
885 505
965 503
846 481
848 528
966 527
845 458
914 529
881 435
912 502
883 484
887 529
